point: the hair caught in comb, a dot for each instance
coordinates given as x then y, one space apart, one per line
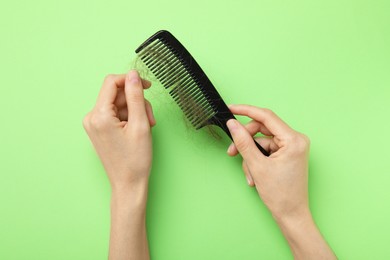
179 97
186 82
173 75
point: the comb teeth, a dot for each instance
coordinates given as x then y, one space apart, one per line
167 66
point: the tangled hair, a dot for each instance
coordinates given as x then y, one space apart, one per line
145 73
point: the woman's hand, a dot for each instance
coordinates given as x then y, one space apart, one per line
119 127
280 179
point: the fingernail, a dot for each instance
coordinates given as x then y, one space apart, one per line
247 180
133 76
230 147
232 125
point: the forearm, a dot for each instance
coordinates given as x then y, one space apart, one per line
303 236
128 238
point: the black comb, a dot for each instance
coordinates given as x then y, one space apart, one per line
189 86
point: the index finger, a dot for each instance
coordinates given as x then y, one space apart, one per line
112 82
265 116
109 89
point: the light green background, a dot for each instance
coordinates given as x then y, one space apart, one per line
323 66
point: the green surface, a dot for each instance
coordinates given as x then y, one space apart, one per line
323 66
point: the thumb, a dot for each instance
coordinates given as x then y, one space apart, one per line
135 100
243 141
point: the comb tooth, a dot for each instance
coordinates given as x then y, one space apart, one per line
172 75
175 61
160 57
184 89
201 102
184 93
188 93
196 122
186 98
165 54
198 101
172 82
169 63
161 60
152 54
183 86
175 64
191 105
203 121
148 51
189 111
176 76
199 121
205 113
147 48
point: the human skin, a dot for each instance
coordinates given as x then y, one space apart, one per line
119 127
281 179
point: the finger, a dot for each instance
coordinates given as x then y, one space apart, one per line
254 127
120 100
135 97
146 83
109 89
149 112
265 116
266 142
123 114
243 141
248 174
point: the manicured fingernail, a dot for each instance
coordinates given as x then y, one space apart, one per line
232 125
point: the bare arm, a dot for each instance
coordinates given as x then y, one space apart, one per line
119 127
128 231
280 179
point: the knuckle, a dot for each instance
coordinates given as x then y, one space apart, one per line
98 123
140 130
86 121
268 112
109 78
136 98
301 143
242 144
306 139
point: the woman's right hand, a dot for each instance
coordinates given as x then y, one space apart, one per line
281 178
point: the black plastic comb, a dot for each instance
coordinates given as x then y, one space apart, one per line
189 86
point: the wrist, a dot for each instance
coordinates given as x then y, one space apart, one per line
303 236
132 195
298 217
